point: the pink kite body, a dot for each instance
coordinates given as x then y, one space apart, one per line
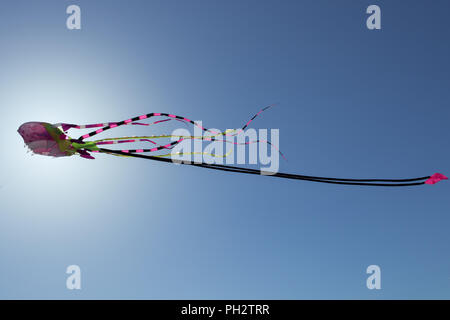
44 139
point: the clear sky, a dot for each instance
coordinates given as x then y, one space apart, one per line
351 102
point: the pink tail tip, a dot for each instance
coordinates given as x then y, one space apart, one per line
435 178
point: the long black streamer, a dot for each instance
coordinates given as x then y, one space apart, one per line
344 181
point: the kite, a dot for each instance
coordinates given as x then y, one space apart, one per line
52 140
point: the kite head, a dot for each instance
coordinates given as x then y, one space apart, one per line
45 139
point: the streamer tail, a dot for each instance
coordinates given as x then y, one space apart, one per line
343 181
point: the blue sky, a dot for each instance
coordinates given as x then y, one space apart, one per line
350 103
